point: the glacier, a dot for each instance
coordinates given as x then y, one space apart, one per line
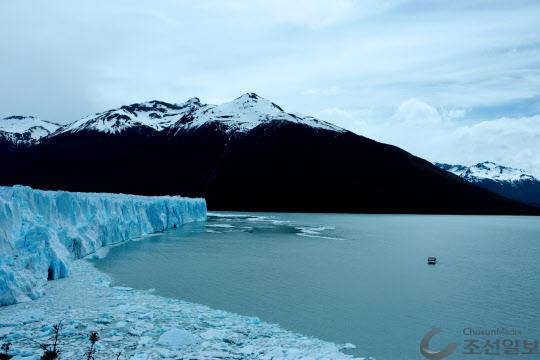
42 232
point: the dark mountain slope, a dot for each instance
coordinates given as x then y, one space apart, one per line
277 165
295 168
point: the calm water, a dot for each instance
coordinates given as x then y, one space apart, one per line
361 279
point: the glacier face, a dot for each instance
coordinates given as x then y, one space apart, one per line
41 232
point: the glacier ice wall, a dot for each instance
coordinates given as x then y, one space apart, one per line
41 232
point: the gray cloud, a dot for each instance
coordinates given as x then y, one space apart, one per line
352 62
445 136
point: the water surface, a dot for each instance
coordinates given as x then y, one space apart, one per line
360 279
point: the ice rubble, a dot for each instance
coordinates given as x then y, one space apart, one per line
145 326
41 232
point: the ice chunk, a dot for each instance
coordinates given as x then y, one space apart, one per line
41 232
176 338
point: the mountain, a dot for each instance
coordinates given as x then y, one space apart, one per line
509 182
25 129
240 115
247 154
18 130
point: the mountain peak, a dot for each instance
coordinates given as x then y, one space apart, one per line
194 101
252 102
250 96
247 112
487 170
506 181
18 117
154 114
251 99
489 165
23 128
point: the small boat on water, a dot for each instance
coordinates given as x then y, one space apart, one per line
431 260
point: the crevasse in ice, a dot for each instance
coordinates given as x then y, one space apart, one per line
41 232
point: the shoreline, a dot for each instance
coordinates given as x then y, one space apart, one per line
145 326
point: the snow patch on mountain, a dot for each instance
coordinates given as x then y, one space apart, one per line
247 112
240 115
487 170
41 232
157 115
20 128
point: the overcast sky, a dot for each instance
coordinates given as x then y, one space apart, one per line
451 81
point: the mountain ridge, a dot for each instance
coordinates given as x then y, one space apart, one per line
25 129
238 115
510 182
248 154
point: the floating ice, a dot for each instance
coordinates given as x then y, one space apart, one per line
177 337
315 232
220 225
42 231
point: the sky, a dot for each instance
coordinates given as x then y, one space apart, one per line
449 81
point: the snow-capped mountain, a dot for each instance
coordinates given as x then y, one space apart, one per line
25 129
247 154
487 170
239 115
507 181
247 112
157 115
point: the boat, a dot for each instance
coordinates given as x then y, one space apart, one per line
431 260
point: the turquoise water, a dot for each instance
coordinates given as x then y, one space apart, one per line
360 279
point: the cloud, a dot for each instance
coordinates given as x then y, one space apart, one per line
89 55
417 113
322 91
424 75
336 114
315 14
511 141
431 133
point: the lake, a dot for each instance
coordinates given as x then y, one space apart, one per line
360 279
